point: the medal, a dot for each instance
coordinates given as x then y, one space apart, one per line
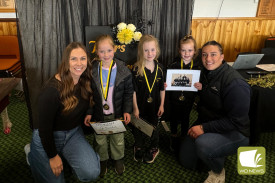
105 92
181 98
150 100
106 107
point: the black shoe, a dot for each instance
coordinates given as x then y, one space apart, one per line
119 167
103 168
138 154
150 156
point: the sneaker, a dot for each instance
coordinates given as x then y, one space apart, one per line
103 168
119 167
215 178
138 154
151 155
27 150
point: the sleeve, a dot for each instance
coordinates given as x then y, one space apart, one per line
91 108
134 79
128 94
90 111
48 104
161 83
236 101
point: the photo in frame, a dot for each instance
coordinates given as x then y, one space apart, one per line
182 80
7 6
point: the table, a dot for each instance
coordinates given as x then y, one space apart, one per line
6 86
262 109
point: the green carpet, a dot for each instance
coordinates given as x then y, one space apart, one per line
13 166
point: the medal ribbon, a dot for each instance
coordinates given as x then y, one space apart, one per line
105 93
150 89
181 64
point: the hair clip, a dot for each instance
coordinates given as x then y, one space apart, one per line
188 37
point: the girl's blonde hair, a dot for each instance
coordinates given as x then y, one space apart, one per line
189 39
102 38
140 57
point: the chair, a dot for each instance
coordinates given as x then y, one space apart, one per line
10 64
269 56
270 42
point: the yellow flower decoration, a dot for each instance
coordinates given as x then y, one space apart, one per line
125 36
137 36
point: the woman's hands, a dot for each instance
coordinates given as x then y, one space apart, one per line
195 131
56 165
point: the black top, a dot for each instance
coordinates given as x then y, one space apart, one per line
224 101
50 115
142 91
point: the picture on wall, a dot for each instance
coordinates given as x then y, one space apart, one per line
182 80
7 6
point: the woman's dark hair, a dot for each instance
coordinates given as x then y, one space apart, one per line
214 43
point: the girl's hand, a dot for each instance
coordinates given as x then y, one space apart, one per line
198 85
127 118
56 165
161 110
165 85
195 131
87 120
136 113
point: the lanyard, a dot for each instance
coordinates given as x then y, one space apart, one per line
181 64
150 88
105 92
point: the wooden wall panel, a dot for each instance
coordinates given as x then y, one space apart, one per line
8 28
236 35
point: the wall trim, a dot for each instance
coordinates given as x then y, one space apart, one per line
7 19
233 18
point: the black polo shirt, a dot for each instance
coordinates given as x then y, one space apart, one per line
148 110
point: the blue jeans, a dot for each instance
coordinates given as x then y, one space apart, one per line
73 147
211 148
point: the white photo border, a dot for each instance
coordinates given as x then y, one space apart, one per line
195 78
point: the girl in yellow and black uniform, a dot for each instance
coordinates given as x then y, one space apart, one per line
181 102
148 98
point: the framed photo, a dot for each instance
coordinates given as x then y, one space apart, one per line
182 80
7 6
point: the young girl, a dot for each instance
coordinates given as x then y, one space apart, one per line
113 97
148 96
181 102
